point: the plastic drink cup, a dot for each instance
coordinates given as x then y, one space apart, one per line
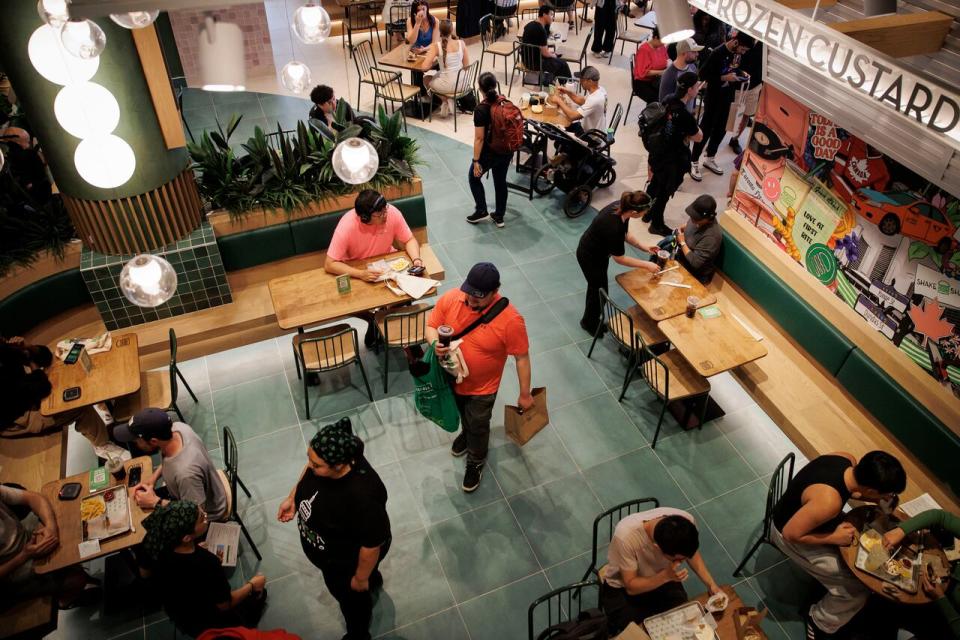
692 303
446 334
115 467
662 256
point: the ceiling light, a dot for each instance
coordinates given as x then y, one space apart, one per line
83 38
311 23
673 20
53 12
105 161
221 57
295 76
148 280
86 110
135 19
355 161
53 62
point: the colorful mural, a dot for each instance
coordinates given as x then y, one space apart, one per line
882 238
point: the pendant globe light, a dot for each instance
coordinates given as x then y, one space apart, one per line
355 161
673 20
311 23
83 38
53 12
148 280
295 76
135 19
220 55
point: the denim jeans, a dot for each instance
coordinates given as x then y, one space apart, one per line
498 164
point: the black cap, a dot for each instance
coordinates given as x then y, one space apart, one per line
686 80
482 279
146 423
701 208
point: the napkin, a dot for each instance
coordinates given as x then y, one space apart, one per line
99 344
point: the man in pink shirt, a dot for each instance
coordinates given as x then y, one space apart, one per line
372 228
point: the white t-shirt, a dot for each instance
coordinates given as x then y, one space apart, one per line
594 110
632 549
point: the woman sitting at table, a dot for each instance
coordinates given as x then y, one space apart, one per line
195 591
420 27
452 54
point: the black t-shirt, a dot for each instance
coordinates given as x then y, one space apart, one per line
719 64
536 34
337 517
605 237
752 63
681 125
192 585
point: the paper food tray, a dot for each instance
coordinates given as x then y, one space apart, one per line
108 514
671 622
910 586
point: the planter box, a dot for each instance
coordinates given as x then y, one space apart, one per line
224 225
46 265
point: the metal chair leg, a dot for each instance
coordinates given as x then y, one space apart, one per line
753 550
243 486
296 362
363 373
184 381
246 534
656 434
632 365
386 367
629 102
306 393
596 335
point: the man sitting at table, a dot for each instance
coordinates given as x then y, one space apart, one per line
369 230
809 526
701 239
586 112
25 538
643 575
187 470
535 33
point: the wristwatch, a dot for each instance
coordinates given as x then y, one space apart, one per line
416 260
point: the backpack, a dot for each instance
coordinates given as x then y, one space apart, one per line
591 624
506 126
654 134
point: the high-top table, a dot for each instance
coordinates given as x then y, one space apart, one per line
712 345
115 373
657 297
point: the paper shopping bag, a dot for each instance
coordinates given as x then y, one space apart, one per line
523 425
737 110
633 632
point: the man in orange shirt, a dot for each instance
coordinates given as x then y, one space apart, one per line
485 349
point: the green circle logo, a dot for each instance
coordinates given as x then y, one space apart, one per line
821 263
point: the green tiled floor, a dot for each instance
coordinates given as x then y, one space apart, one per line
467 566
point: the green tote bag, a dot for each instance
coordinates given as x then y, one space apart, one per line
434 396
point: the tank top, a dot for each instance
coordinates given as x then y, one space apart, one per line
826 470
424 38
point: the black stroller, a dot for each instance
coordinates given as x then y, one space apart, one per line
580 166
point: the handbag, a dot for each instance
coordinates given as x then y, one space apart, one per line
737 109
522 425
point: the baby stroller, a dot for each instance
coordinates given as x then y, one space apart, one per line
580 166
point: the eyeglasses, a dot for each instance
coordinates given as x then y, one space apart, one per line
380 214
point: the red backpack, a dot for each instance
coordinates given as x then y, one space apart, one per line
506 126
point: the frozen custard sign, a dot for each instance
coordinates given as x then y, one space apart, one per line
843 60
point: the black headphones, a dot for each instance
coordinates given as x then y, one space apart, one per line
367 216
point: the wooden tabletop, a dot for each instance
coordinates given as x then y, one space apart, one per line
551 114
726 626
859 517
661 301
311 297
397 58
68 521
712 345
115 373
33 461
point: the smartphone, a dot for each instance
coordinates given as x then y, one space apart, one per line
74 354
133 475
69 491
71 394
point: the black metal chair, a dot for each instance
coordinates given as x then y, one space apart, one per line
562 604
361 17
465 86
451 9
581 60
231 461
399 12
782 476
389 87
503 15
608 520
325 350
527 59
625 34
489 45
613 126
364 61
399 329
157 389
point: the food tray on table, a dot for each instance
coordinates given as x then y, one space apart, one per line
105 514
686 621
903 571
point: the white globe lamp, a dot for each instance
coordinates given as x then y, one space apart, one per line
53 12
135 19
105 161
52 61
86 110
295 76
83 38
355 161
148 280
311 23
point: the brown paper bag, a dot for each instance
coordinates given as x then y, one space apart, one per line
737 111
633 632
523 425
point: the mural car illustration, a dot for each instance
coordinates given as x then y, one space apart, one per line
905 213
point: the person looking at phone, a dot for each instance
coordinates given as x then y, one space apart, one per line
584 112
700 241
809 526
645 572
420 27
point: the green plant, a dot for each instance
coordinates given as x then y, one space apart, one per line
290 169
29 227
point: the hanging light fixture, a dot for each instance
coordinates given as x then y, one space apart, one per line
311 23
53 12
86 110
52 61
221 57
135 19
148 280
295 76
83 38
355 161
105 161
673 20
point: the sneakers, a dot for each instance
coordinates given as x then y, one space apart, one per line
498 220
370 337
711 164
459 446
445 109
695 172
735 145
600 54
477 216
471 479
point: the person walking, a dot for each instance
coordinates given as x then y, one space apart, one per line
491 329
485 158
341 507
604 28
606 238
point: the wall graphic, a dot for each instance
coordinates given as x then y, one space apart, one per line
884 240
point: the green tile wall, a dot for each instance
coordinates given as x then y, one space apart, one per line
201 281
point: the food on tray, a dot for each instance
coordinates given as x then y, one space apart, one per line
870 539
717 602
893 567
92 508
400 264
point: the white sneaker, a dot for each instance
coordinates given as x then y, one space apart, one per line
695 172
444 109
711 164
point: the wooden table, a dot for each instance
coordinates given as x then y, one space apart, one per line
115 373
712 345
860 517
550 114
33 461
68 520
726 626
311 297
661 301
397 58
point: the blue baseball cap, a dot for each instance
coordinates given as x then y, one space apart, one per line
147 423
482 279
